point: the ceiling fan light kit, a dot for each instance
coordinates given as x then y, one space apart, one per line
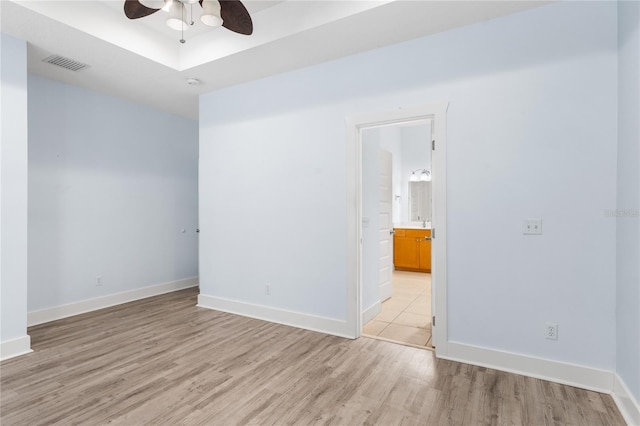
176 20
211 13
230 14
153 4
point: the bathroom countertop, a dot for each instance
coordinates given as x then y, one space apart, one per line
412 225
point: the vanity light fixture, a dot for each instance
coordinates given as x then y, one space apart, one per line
424 176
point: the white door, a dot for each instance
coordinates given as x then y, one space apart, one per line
386 226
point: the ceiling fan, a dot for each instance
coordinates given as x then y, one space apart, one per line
230 14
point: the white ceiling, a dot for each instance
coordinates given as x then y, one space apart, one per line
143 61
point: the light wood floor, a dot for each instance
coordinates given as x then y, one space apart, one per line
164 361
405 317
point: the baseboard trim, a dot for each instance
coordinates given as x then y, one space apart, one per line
84 306
15 347
553 371
371 312
280 316
627 404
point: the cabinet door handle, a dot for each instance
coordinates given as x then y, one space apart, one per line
427 238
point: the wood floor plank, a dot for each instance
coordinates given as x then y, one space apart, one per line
163 360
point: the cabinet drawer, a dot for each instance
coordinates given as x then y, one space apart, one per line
418 233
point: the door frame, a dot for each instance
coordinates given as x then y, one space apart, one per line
437 113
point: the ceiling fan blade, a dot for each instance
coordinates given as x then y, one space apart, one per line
134 9
235 17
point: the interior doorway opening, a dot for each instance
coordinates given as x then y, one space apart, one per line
396 232
358 223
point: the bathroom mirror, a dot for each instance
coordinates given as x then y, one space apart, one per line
420 201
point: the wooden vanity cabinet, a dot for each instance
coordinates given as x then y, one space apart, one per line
411 251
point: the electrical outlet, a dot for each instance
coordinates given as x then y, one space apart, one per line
99 280
532 227
267 289
551 331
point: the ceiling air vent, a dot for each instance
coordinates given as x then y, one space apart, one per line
66 63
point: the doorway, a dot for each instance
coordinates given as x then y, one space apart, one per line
396 222
357 222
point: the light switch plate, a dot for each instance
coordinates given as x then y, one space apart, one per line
532 227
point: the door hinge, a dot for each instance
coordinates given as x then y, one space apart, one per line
433 145
433 321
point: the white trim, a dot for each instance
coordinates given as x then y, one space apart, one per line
553 371
280 316
354 233
437 113
76 308
627 404
370 313
15 347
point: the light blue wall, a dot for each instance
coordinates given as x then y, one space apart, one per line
13 189
111 186
532 101
628 203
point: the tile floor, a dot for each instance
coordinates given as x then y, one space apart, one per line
406 316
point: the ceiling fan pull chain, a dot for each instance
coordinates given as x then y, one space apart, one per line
182 40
